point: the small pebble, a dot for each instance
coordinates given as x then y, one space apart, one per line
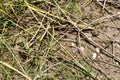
72 44
94 55
97 50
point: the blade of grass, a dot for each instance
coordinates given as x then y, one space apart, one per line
13 54
11 6
11 67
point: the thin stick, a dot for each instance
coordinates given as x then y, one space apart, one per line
104 3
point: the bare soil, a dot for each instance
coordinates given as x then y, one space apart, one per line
94 41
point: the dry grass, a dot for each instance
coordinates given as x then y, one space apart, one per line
55 40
